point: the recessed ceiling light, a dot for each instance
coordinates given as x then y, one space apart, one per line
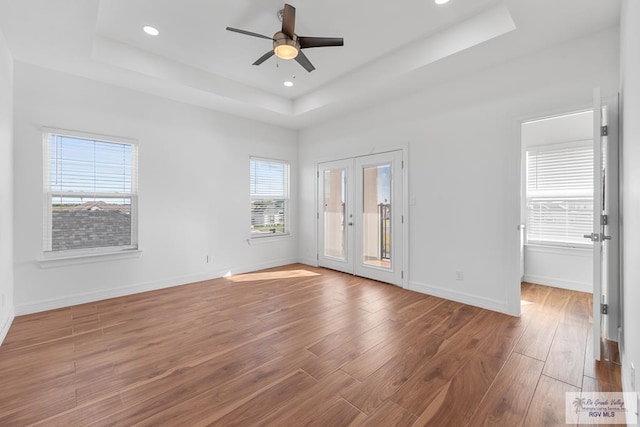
288 83
441 1
152 31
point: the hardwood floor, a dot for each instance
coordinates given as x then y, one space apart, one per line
298 346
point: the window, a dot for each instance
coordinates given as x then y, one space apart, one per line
90 189
269 189
559 192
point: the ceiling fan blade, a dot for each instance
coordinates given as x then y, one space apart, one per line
264 58
248 33
304 61
289 20
307 42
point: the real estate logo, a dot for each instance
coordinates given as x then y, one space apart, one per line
601 408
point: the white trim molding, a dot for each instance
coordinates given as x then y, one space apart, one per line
83 298
462 297
558 283
5 324
87 258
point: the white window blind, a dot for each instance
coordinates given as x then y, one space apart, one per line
90 193
559 193
269 190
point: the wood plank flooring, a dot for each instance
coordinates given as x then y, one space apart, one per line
299 346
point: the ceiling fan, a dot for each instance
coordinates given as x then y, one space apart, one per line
287 44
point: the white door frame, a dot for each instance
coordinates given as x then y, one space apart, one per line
515 291
404 149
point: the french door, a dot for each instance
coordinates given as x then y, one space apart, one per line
360 216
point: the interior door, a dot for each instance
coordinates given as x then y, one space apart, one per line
598 236
360 216
605 235
335 215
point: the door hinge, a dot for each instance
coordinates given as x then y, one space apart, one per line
317 257
604 220
402 164
402 219
604 130
402 274
318 174
604 308
317 215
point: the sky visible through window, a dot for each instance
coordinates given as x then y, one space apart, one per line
383 183
267 179
89 168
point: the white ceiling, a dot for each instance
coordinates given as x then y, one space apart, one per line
389 46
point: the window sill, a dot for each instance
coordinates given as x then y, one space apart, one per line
63 260
259 240
536 247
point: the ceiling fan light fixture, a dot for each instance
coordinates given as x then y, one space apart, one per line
284 47
441 1
286 43
286 51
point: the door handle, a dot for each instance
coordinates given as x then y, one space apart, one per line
606 237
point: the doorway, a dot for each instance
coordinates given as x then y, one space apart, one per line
360 216
570 208
557 200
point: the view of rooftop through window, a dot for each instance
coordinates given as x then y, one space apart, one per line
91 187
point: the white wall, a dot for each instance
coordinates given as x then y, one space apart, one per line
566 268
630 94
563 267
464 164
193 189
6 188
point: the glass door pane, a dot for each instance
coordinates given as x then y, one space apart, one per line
376 216
334 184
360 218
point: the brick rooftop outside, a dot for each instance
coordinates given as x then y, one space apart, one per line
80 229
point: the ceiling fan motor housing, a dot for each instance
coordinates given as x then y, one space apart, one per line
285 47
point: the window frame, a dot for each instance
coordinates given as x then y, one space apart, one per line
286 199
48 194
580 144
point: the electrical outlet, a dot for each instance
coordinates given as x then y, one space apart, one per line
459 275
209 259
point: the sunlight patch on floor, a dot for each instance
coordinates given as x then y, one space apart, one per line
271 275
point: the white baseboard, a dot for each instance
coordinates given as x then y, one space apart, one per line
625 373
461 297
67 301
559 283
5 324
255 267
